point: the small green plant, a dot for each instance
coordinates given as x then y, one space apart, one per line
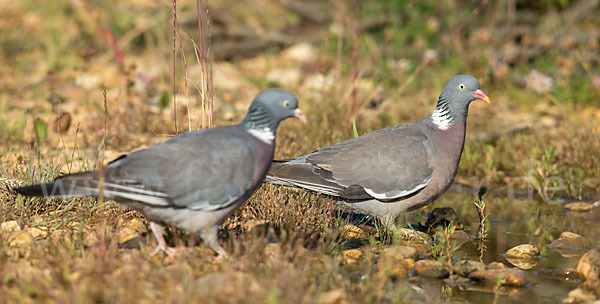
482 230
542 173
443 247
496 289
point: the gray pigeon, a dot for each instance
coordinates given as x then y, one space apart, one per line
194 180
392 170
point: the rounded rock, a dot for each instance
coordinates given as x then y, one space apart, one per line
524 251
20 238
8 227
352 255
570 244
579 207
589 265
509 277
399 253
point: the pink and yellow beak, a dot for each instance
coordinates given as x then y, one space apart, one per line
298 114
480 95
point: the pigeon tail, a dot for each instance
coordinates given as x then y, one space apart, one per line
77 184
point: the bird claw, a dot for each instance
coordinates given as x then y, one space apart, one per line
170 250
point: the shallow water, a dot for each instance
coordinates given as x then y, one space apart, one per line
511 223
524 222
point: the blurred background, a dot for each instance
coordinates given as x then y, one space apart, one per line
83 81
381 62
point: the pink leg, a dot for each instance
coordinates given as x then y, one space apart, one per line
157 230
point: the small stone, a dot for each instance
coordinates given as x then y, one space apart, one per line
460 237
522 263
37 233
538 82
137 225
592 286
336 296
8 227
399 273
351 255
410 235
127 234
523 256
286 77
399 253
64 235
509 276
318 82
88 81
431 269
20 238
495 265
578 295
302 52
570 244
589 265
579 207
596 204
272 252
468 267
351 232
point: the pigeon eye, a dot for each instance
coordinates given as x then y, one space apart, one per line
286 103
461 86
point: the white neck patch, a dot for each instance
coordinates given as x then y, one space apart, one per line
442 119
264 134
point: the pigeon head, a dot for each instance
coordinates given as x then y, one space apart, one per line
269 108
454 101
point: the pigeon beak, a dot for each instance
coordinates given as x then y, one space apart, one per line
480 95
298 114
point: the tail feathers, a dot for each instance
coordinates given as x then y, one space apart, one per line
78 184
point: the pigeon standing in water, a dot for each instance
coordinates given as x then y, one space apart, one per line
194 180
392 170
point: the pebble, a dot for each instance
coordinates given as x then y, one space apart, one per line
431 269
285 77
570 244
496 265
410 235
579 207
272 252
336 296
468 267
524 251
523 256
351 256
399 253
20 238
578 295
460 237
302 52
37 233
589 265
351 232
256 226
510 276
8 227
318 82
127 234
525 264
